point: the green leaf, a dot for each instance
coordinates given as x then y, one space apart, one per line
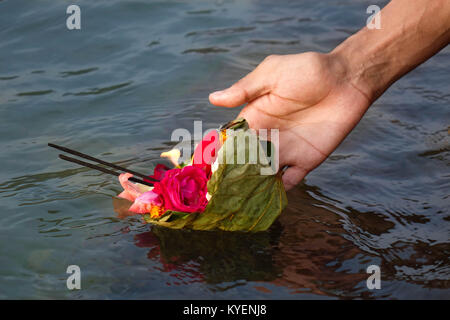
239 123
175 223
242 198
183 164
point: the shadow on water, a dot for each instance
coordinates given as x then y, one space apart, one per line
302 252
219 256
314 248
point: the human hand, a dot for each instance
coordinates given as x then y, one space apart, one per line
316 99
308 98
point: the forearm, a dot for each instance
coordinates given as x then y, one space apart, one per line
411 32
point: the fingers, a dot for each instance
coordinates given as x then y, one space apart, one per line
231 97
253 85
292 176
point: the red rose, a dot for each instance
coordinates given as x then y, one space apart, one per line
183 189
158 173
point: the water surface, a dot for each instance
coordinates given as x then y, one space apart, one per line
140 69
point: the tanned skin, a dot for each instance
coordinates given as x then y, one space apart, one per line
316 99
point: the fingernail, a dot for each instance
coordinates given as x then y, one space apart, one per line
218 94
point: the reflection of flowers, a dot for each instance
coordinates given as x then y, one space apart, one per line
300 255
185 272
211 257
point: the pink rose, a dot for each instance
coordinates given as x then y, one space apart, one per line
130 190
183 189
148 202
143 201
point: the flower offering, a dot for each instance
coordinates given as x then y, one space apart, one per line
221 187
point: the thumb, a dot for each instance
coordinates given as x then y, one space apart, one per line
292 176
255 84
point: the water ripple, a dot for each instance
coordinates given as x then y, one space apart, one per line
206 50
94 91
77 72
221 31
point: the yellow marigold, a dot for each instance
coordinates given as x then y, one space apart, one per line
223 136
156 212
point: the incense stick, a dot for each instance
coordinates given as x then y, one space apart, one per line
109 164
93 166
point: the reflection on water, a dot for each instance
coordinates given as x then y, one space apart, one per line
302 252
214 257
305 251
140 69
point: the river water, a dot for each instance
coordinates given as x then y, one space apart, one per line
136 71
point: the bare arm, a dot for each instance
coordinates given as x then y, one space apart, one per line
316 99
412 32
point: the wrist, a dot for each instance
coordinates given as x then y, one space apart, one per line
360 67
411 33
